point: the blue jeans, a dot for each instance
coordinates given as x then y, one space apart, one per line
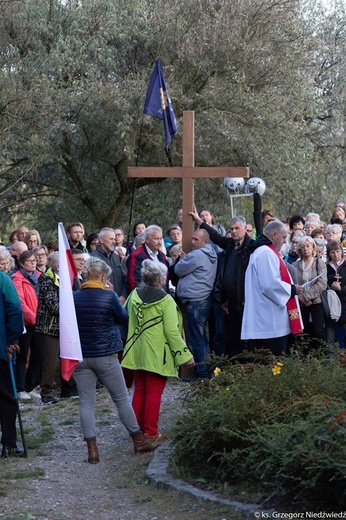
197 314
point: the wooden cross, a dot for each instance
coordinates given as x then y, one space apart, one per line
188 173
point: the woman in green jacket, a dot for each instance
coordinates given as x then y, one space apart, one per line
154 348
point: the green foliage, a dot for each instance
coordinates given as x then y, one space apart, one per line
265 79
278 424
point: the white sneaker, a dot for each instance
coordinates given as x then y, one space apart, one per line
34 394
23 395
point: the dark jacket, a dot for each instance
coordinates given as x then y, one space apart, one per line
79 246
342 294
242 260
291 257
11 315
134 265
99 314
47 318
117 278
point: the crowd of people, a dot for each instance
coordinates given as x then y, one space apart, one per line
145 308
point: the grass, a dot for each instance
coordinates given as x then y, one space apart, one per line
15 475
68 422
35 440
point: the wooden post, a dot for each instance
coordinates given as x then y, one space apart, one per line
188 173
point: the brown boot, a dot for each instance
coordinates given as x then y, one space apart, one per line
93 454
141 444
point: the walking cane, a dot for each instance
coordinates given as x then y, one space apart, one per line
18 411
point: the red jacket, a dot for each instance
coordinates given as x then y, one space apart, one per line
27 296
134 265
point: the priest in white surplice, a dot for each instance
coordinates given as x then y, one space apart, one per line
271 312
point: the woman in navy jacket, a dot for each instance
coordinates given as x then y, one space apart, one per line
99 315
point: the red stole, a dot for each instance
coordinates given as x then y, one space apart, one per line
292 307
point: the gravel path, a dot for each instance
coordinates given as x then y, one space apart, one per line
55 482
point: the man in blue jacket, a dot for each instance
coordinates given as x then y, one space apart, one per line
11 327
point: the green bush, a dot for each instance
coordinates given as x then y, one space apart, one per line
278 424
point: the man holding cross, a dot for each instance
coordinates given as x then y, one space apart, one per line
232 276
196 272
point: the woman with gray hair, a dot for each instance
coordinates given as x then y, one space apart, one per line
99 315
6 260
154 348
333 232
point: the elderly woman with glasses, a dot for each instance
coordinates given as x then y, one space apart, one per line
333 232
308 268
292 246
26 282
6 260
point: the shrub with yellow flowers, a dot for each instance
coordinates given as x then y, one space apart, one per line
275 424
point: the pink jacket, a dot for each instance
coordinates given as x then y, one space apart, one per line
27 296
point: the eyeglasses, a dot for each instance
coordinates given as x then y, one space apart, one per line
119 234
39 255
30 261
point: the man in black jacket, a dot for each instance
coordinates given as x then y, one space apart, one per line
232 277
105 252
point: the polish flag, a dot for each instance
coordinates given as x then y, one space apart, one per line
70 347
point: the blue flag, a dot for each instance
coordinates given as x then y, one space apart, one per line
158 103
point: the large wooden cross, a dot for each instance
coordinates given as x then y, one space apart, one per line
188 173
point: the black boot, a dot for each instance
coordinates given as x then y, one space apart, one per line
7 451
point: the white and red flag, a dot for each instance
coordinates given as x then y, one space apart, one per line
70 347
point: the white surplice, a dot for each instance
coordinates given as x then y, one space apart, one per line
265 312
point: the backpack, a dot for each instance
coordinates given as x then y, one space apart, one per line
331 305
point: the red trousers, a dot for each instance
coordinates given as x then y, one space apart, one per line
147 399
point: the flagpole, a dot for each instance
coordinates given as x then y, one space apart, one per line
135 181
157 104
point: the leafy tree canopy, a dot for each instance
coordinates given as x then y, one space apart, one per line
264 78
